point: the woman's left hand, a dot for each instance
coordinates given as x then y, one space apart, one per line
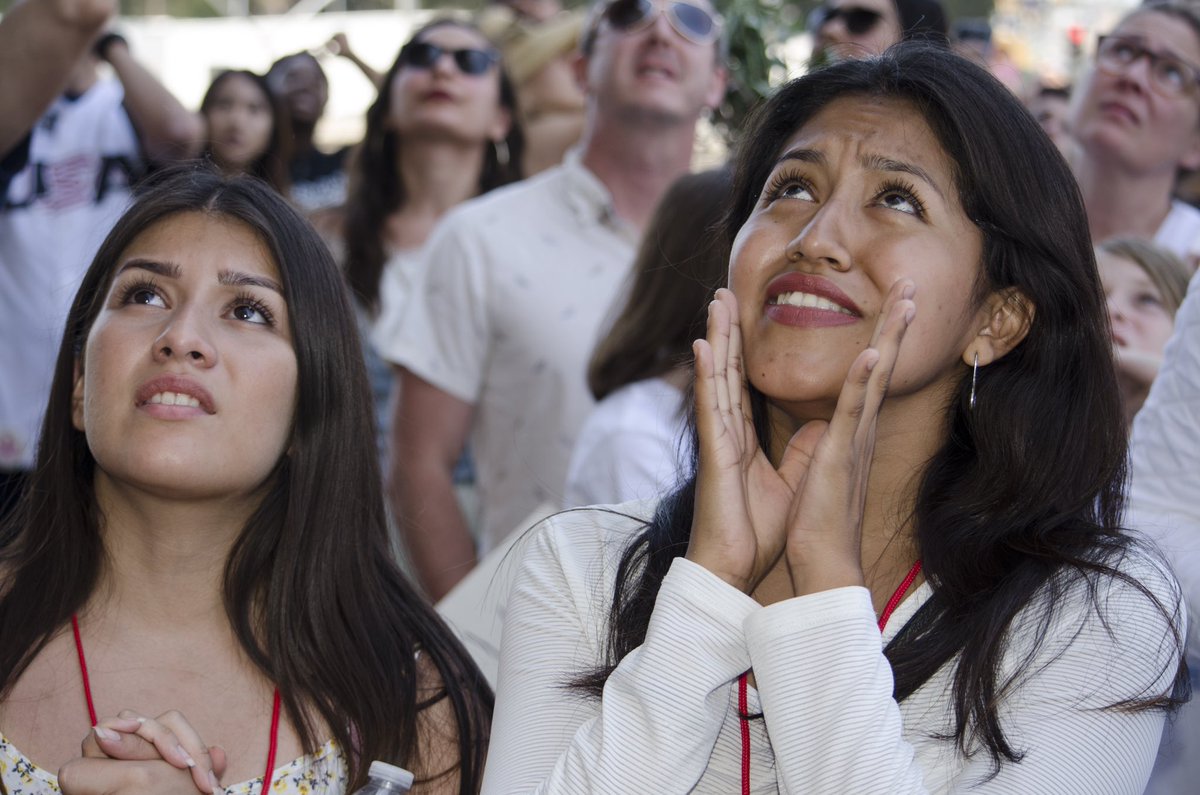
824 542
167 739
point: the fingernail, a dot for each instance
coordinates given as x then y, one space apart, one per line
216 787
183 754
909 290
910 314
105 735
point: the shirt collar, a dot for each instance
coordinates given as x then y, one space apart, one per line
588 197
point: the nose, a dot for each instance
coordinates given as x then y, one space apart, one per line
185 338
661 27
822 240
1137 73
445 64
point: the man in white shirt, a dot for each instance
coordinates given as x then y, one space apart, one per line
516 284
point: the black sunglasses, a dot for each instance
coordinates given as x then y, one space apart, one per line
470 61
693 22
856 19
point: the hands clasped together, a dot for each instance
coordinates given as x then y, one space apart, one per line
809 509
131 754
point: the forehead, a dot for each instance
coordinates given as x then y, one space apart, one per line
200 242
1163 32
452 36
241 86
300 68
871 126
1116 267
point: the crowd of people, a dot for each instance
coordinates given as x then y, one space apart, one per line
865 462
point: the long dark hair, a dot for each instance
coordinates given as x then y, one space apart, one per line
672 278
376 190
1026 494
310 587
272 165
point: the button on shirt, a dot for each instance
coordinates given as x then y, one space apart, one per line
512 296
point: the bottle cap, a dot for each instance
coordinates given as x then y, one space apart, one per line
392 773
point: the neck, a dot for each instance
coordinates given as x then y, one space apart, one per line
637 163
437 175
165 558
908 433
302 136
1121 203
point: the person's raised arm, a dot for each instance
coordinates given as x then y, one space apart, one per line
41 41
167 130
340 45
429 431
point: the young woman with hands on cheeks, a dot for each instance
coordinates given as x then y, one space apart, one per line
898 565
199 568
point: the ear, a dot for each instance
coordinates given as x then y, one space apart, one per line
77 398
717 88
579 66
501 124
1190 161
1004 319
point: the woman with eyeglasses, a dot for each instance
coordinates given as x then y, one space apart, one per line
1136 124
861 28
442 130
897 565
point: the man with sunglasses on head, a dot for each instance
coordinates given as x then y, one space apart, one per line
517 283
861 28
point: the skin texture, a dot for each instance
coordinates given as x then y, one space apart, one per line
837 42
230 340
240 122
820 509
444 101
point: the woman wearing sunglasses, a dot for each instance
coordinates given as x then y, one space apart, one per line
860 28
443 129
897 565
1137 126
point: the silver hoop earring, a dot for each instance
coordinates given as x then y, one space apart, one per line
974 377
501 147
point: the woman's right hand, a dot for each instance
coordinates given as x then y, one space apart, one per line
742 500
134 754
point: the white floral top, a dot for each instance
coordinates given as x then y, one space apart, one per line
319 773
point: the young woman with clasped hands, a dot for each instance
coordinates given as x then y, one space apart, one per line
898 565
200 568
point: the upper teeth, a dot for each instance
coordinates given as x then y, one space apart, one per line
175 399
810 300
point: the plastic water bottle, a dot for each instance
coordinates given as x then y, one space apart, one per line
384 778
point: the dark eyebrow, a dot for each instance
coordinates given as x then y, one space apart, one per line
168 270
171 270
239 279
872 162
881 163
804 156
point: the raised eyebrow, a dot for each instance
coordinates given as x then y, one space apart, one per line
803 155
168 270
239 279
881 163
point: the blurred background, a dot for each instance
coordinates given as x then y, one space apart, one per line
186 42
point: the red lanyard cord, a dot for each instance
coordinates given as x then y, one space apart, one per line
743 684
87 692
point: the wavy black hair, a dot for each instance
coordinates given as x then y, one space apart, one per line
1026 494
